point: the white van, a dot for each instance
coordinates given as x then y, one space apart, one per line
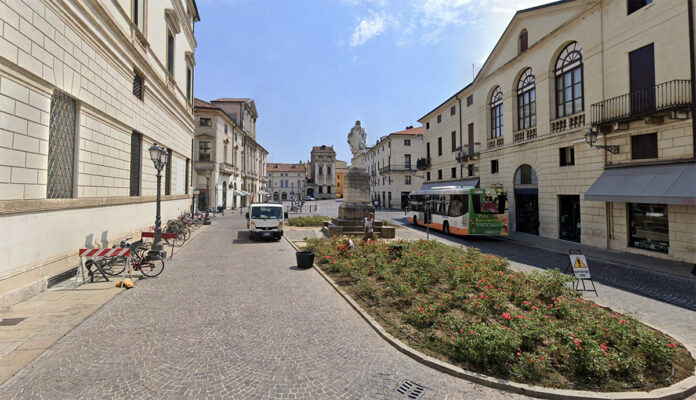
266 220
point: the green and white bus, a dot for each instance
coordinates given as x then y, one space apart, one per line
460 210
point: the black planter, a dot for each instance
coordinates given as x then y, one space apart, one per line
305 259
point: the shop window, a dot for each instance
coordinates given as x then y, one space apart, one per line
567 156
644 146
649 228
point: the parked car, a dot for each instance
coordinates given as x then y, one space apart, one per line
266 220
309 198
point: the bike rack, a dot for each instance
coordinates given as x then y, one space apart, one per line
164 236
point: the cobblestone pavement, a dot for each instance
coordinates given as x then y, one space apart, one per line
230 319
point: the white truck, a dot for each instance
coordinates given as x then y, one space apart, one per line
266 220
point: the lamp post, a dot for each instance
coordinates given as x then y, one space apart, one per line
159 156
591 139
206 220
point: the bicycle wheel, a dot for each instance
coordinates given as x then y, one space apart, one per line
114 265
180 238
152 265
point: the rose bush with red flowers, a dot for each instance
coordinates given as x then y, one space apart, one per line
470 309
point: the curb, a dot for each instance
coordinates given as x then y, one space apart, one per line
679 390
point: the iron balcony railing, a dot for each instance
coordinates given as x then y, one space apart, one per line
667 96
423 163
395 168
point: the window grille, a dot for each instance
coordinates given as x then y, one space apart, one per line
138 86
136 156
61 147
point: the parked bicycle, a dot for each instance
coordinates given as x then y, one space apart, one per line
149 265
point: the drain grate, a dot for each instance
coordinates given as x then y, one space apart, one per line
10 321
411 390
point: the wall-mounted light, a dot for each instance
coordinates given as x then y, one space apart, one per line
591 139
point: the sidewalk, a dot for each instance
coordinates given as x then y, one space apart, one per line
634 260
52 314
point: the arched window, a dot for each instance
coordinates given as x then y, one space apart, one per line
526 101
569 76
497 113
524 41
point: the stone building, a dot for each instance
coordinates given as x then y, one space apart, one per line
285 181
618 74
391 164
225 151
86 88
321 178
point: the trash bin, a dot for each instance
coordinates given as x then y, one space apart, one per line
305 259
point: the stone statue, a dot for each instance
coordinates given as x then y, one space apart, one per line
357 139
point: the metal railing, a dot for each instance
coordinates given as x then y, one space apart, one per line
524 135
670 95
395 168
423 163
496 142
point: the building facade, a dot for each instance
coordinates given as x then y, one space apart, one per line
229 163
391 165
321 179
286 181
87 88
617 74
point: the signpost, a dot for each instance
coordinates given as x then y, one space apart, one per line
581 271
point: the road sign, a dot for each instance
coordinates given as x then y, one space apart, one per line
580 268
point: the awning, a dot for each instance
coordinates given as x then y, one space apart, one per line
240 193
661 184
471 182
264 193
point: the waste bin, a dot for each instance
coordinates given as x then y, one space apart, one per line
305 259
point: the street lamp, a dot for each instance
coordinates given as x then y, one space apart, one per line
591 139
159 156
206 220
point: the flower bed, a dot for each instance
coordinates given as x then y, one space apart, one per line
470 309
314 220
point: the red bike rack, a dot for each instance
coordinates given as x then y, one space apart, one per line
164 236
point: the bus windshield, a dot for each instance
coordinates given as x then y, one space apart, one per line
267 212
488 204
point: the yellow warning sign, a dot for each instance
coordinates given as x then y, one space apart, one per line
579 263
580 267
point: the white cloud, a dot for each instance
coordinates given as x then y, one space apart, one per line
370 27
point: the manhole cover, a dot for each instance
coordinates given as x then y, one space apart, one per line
411 390
10 321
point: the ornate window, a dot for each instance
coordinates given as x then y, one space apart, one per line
497 113
526 101
569 76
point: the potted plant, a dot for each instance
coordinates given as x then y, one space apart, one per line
305 258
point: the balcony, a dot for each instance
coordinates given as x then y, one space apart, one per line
567 123
668 96
203 165
496 143
228 168
423 164
524 135
395 168
465 153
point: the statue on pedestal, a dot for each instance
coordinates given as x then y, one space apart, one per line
357 139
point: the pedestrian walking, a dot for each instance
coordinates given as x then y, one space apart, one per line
376 204
368 225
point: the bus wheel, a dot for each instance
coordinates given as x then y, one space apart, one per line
415 220
445 227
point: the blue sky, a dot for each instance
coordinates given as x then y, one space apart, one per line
314 67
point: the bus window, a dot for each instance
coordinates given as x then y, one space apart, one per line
485 204
458 205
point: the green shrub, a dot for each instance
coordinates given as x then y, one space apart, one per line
314 220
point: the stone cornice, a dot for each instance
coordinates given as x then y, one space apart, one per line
11 207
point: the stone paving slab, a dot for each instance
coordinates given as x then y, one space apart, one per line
235 319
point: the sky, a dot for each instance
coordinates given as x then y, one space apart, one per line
314 67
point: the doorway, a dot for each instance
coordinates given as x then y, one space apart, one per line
569 217
526 200
224 194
